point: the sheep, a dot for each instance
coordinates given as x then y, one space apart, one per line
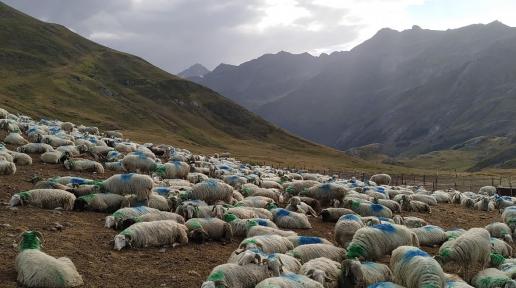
366 209
7 168
54 157
289 280
119 216
155 233
15 139
35 148
173 170
116 166
197 178
346 228
255 230
454 233
100 202
73 150
266 243
90 130
413 205
441 197
271 184
502 202
155 201
509 268
385 285
500 230
139 163
487 190
356 274
334 214
21 159
243 212
237 276
375 241
212 191
253 190
427 199
124 184
391 204
44 198
235 181
37 269
509 217
55 141
305 240
311 251
492 278
257 202
203 229
414 268
84 165
471 248
113 134
67 126
322 270
430 235
409 221
149 217
381 179
296 187
295 204
239 226
484 204
291 220
325 193
276 262
501 247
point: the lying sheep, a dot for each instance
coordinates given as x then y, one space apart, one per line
139 163
413 205
325 193
266 243
334 214
84 165
204 229
469 249
212 191
116 166
365 209
484 204
54 157
15 139
409 221
276 262
118 217
492 278
296 187
290 220
44 198
100 202
155 201
149 217
500 230
430 235
125 184
257 202
509 217
308 252
35 148
255 230
500 247
234 275
391 204
376 241
356 274
21 159
173 170
239 226
305 240
381 179
38 269
346 228
322 270
414 268
487 190
296 205
7 168
149 234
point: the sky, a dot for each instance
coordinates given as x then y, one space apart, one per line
174 34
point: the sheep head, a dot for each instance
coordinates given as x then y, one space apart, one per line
121 241
15 200
109 222
318 275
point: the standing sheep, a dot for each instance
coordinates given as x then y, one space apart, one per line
326 192
138 163
346 228
125 184
414 268
151 234
290 220
173 170
212 191
38 269
366 209
381 179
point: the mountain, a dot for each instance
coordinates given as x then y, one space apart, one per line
412 91
194 71
48 71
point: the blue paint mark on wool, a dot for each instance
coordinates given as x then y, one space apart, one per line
376 207
380 189
431 228
77 181
382 285
126 177
325 187
353 185
304 240
211 183
387 228
414 253
292 276
162 190
384 219
349 217
141 209
282 212
262 222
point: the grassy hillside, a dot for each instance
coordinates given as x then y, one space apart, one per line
48 71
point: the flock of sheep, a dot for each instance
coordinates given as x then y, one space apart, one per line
166 196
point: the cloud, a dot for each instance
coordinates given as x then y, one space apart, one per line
174 34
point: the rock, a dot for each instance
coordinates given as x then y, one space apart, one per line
57 212
192 272
6 225
58 226
68 224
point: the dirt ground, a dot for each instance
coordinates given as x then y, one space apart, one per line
89 244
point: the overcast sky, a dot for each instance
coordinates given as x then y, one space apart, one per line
173 34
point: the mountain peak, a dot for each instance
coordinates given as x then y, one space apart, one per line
196 70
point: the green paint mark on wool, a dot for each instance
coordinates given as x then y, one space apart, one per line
194 224
30 240
249 241
118 214
496 259
355 251
246 191
230 217
355 204
251 223
216 276
161 170
87 198
24 195
445 253
489 281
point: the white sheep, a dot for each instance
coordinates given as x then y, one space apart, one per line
323 270
151 234
346 228
334 214
289 280
295 204
212 191
367 209
84 165
139 163
325 192
7 168
15 139
487 190
296 187
100 202
469 249
44 198
119 216
266 243
149 217
492 278
409 221
124 184
36 148
414 268
485 204
203 229
290 220
305 240
509 217
500 230
237 276
356 274
378 240
381 179
311 251
38 269
54 157
413 205
21 159
430 235
255 230
501 247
